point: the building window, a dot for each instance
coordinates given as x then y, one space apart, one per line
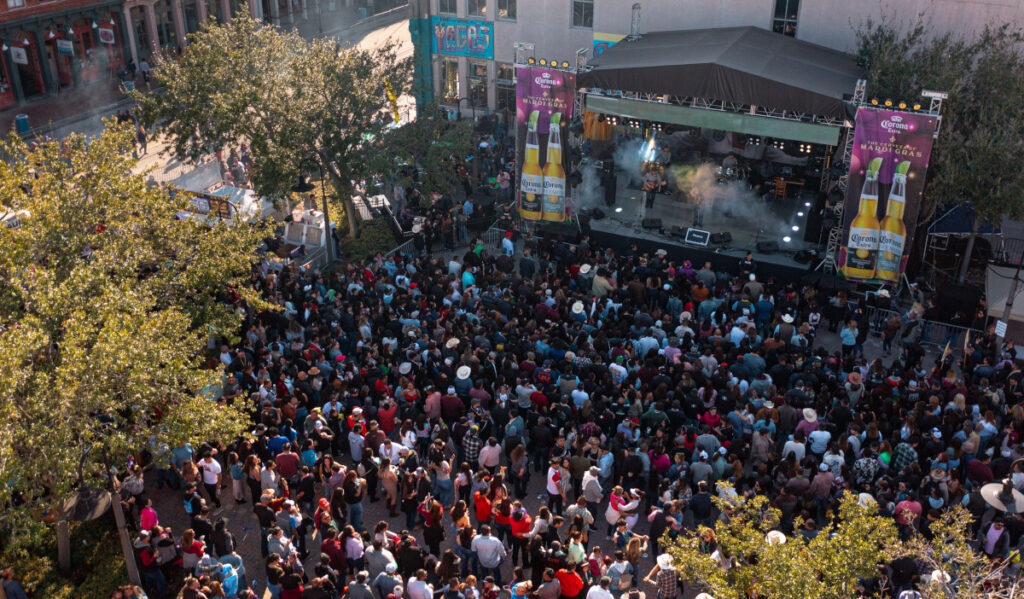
450 80
505 86
507 10
786 12
478 84
446 6
15 3
478 8
583 13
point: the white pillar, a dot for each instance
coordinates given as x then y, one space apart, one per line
130 32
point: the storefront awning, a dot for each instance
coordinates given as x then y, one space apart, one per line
674 114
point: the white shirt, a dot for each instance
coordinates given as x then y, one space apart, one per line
211 470
508 246
490 455
553 487
596 592
419 589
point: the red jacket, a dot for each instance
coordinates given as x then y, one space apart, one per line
522 527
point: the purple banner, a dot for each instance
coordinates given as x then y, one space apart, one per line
544 99
883 195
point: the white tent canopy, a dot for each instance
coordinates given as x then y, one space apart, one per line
998 280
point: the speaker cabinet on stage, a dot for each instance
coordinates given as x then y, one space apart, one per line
567 232
767 247
609 182
677 231
720 238
651 223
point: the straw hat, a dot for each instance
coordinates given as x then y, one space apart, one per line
451 343
405 368
787 318
937 474
1003 497
810 415
775 537
665 561
585 269
854 378
865 500
577 308
463 372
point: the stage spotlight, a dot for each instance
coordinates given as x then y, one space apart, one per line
799 213
554 63
618 209
807 204
531 60
565 64
543 63
874 101
903 105
796 228
888 103
787 239
917 107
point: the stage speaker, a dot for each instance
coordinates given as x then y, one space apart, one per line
720 238
567 232
597 214
609 183
767 247
804 257
677 231
651 223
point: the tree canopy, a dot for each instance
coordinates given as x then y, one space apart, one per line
432 143
106 303
289 98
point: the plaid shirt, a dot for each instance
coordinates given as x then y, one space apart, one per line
903 456
471 448
667 583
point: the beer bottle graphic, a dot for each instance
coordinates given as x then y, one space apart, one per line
531 182
862 243
554 175
892 234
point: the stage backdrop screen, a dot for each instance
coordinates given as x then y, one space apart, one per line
883 195
544 99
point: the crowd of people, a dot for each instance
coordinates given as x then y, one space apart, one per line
627 388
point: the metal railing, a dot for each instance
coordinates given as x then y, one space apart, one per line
403 249
931 332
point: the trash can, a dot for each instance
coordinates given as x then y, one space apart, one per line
21 124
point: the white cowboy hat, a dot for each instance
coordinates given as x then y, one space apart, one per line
577 308
451 343
865 500
883 293
940 577
665 561
463 372
585 269
660 252
810 415
769 404
775 537
405 368
787 318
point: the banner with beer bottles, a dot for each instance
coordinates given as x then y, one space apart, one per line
883 195
544 99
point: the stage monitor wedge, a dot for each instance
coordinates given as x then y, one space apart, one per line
697 237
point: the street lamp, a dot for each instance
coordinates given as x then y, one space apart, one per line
304 186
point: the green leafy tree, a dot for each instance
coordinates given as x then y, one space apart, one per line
433 144
829 566
106 300
974 157
288 98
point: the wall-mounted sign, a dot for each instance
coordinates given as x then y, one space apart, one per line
463 37
106 35
66 47
18 55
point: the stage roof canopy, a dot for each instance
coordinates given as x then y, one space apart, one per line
743 65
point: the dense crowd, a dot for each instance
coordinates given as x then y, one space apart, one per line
632 383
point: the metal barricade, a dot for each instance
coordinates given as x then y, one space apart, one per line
932 332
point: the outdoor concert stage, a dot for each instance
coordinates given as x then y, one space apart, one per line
622 226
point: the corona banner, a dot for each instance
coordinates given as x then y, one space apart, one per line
544 99
883 196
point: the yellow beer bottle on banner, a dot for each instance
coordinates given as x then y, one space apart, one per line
554 175
862 240
531 182
892 235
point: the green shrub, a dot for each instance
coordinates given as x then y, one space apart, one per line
374 236
96 559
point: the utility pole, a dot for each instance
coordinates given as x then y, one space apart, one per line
1009 302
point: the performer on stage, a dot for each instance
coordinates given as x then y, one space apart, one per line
698 209
652 181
